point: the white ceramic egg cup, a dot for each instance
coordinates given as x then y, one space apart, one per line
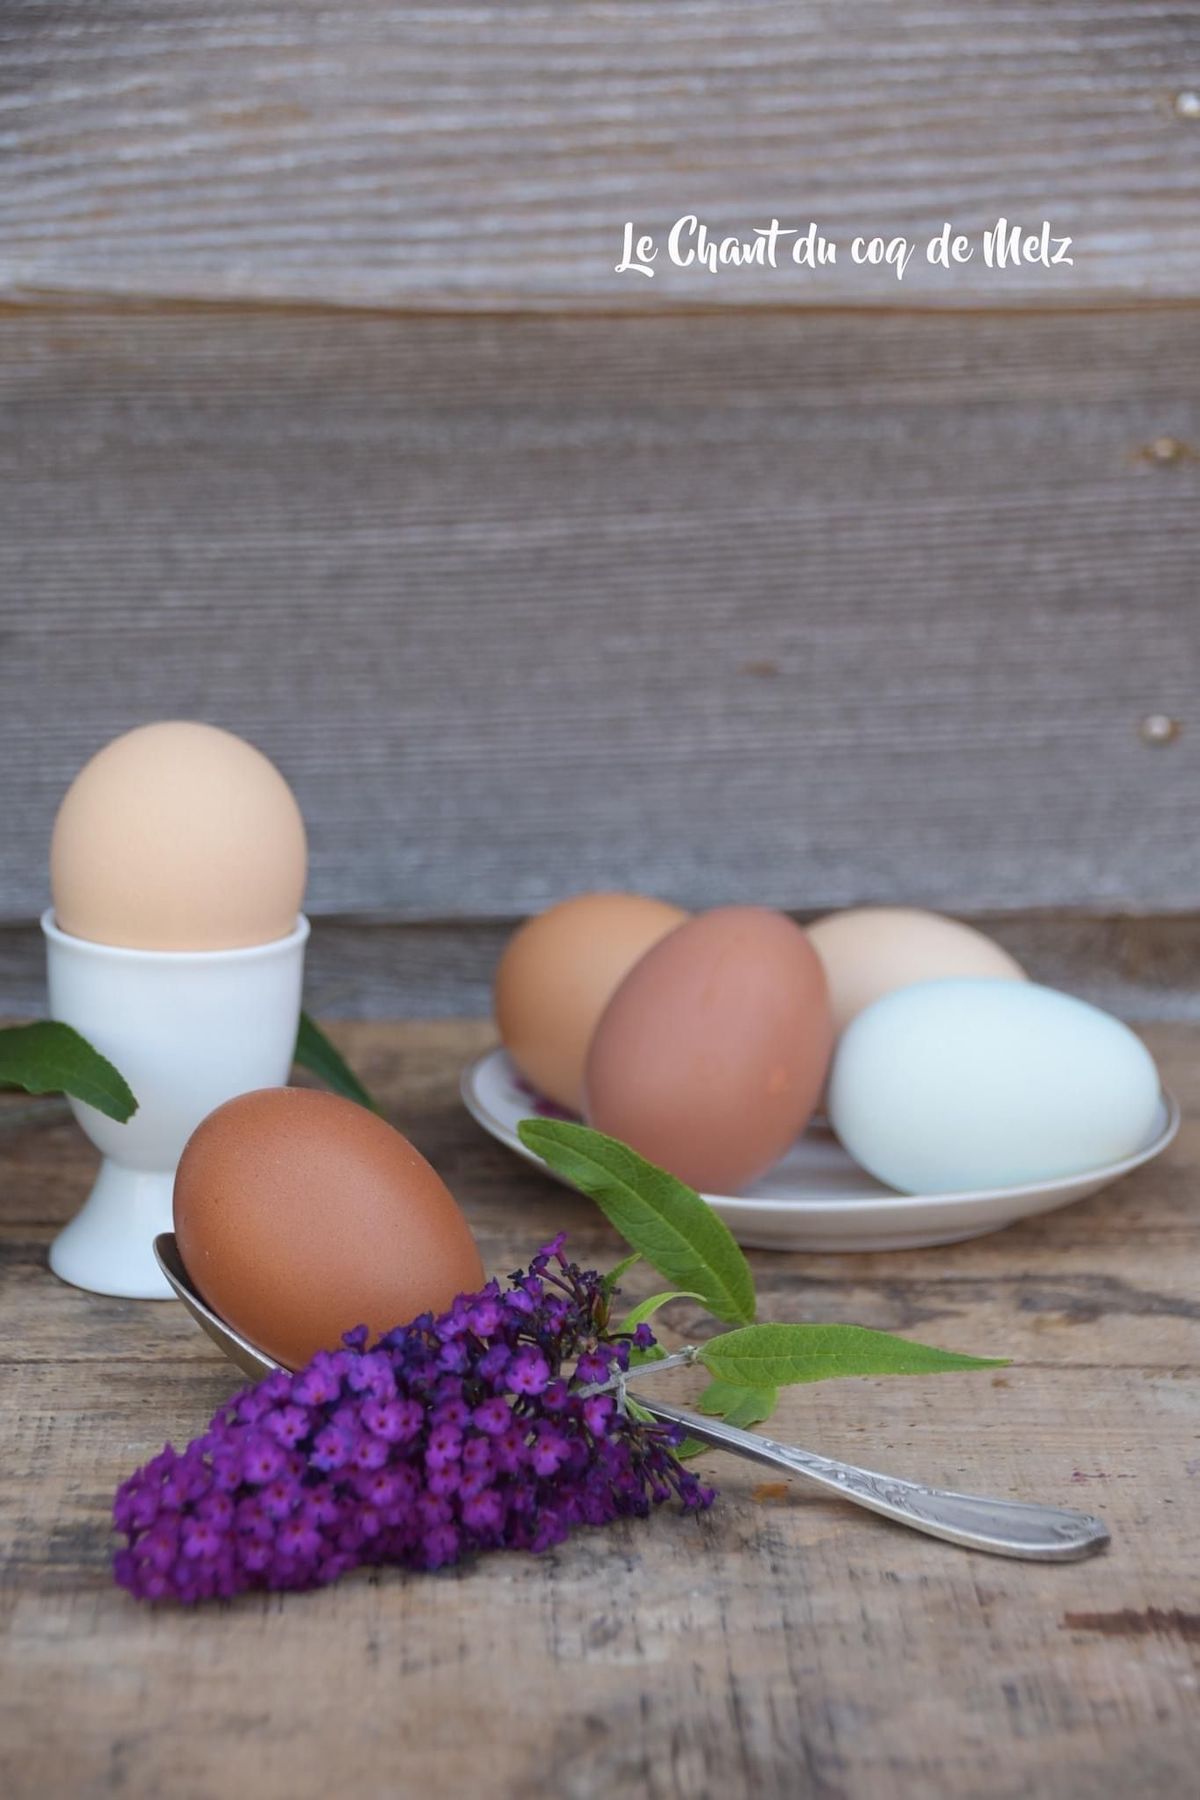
188 1029
817 1199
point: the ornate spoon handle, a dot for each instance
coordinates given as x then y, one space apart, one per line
1002 1527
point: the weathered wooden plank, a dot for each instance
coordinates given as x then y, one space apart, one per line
808 612
483 156
1138 968
783 1647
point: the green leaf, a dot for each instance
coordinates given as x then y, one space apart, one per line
315 1053
639 1358
675 1230
761 1356
612 1280
646 1309
740 1405
51 1058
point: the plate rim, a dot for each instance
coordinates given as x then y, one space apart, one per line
1101 1174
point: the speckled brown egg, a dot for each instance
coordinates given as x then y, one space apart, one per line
300 1215
711 1054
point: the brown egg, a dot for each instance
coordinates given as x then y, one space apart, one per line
300 1215
711 1054
559 972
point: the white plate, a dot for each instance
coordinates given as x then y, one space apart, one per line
816 1198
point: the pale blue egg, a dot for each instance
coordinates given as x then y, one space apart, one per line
966 1084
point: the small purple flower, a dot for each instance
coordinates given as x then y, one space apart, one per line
597 1411
493 1416
444 1479
444 1446
472 1481
555 1313
201 1538
279 1498
510 1450
298 1538
217 1508
262 1460
252 1519
332 1447
477 1453
370 1452
592 1366
394 1420
483 1511
549 1450
318 1384
529 1373
432 1510
453 1411
453 1357
373 1374
381 1487
455 1323
227 1467
286 1424
484 1316
493 1362
551 1252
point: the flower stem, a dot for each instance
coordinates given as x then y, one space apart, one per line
678 1359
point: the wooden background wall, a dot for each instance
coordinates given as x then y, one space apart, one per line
323 415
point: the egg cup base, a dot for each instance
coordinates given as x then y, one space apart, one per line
108 1247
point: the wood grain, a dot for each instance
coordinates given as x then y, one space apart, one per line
845 608
783 1647
1138 968
488 156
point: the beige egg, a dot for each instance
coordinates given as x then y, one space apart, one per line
873 950
178 836
557 975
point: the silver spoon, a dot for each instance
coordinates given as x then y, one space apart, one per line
1002 1527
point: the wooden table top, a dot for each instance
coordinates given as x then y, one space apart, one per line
782 1645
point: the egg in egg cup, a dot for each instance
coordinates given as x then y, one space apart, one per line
175 945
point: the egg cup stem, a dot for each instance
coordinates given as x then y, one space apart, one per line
108 1247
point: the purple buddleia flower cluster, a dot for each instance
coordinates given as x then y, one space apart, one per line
476 1430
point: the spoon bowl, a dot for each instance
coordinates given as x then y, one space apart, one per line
255 1363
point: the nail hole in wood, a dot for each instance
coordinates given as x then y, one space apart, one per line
1159 728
